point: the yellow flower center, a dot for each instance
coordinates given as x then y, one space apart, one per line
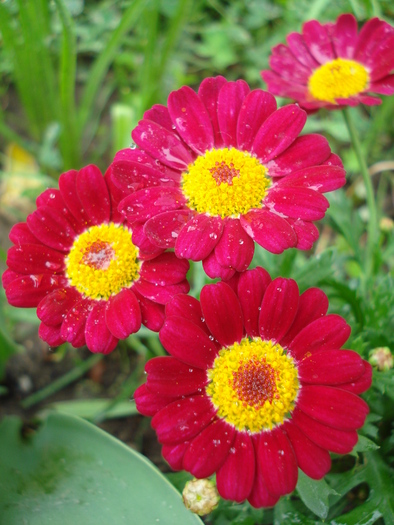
103 261
253 384
225 182
340 78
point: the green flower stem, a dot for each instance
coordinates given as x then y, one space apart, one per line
62 381
372 227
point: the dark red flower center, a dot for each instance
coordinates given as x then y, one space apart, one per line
255 383
223 172
98 255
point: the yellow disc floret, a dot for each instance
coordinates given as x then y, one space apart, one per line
253 384
225 182
340 78
103 261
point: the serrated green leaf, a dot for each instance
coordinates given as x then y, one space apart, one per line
314 494
364 444
71 472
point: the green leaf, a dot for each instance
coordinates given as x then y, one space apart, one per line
89 408
364 444
314 494
71 472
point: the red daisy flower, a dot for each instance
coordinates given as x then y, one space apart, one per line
331 65
77 262
221 168
256 386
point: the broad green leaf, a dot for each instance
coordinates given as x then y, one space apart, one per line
70 472
89 408
314 494
285 513
364 444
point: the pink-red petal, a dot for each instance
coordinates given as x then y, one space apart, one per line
168 376
98 337
235 477
296 202
163 229
312 459
230 100
199 237
256 108
144 204
96 203
35 259
28 290
183 419
222 312
278 309
208 451
331 367
333 406
269 230
148 403
235 248
53 308
191 119
186 341
123 314
252 286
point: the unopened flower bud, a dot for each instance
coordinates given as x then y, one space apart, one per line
382 358
200 496
386 224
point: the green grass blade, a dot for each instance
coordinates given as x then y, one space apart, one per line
103 61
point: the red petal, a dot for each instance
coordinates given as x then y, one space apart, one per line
191 119
301 51
306 232
183 419
144 204
256 108
51 228
152 313
163 229
162 144
319 178
189 308
73 326
166 269
186 341
213 269
51 335
98 337
301 203
252 286
313 304
20 234
173 454
168 376
344 37
338 441
384 86
208 92
199 237
35 259
326 333
333 406
123 314
362 383
93 193
277 133
331 367
278 309
318 41
28 290
306 151
148 403
160 294
208 451
230 100
312 459
53 308
235 477
159 114
269 230
68 190
222 313
278 463
260 497
147 249
235 248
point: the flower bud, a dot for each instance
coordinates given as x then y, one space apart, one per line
200 496
382 358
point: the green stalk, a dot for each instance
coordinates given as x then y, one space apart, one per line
372 226
62 381
69 141
103 61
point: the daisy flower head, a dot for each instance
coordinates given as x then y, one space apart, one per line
333 65
76 261
256 385
220 169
